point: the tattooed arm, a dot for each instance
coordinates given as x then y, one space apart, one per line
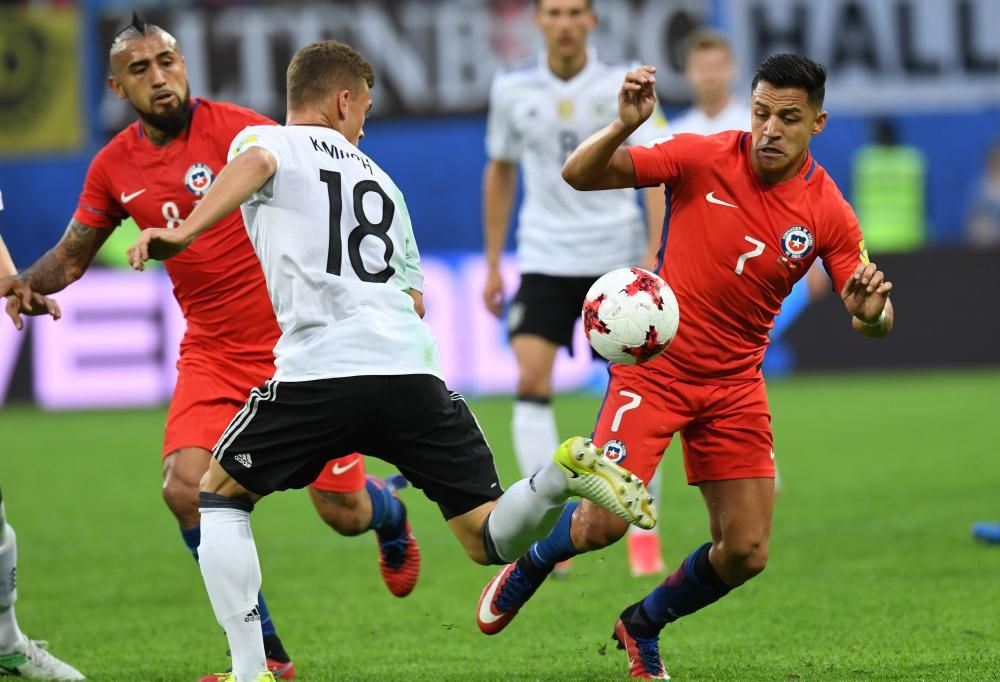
62 265
65 262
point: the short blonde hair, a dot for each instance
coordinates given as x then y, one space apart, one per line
706 39
322 67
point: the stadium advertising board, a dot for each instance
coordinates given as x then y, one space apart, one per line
117 343
429 57
881 56
435 58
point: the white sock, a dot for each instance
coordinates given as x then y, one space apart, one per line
10 633
653 486
527 511
535 434
229 564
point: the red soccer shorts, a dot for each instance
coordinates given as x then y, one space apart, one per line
211 389
725 430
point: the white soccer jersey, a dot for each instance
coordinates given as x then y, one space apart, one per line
538 119
735 116
336 245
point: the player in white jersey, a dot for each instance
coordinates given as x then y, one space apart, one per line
538 114
710 71
19 655
357 368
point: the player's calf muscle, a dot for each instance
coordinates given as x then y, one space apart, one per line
594 528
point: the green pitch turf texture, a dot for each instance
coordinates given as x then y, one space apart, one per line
872 576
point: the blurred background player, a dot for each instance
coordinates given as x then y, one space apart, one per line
156 170
752 187
983 224
538 114
357 369
710 71
20 656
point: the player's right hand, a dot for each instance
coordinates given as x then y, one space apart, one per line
493 292
21 300
637 98
156 243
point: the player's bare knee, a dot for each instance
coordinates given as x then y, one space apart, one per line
343 512
743 559
181 497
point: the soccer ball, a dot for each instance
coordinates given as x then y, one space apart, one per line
630 316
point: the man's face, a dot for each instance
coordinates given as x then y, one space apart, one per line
565 24
710 72
356 106
149 72
783 123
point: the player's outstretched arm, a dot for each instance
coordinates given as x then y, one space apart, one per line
241 177
61 265
600 162
866 297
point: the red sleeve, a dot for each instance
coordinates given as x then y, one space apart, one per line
236 118
98 206
845 247
665 161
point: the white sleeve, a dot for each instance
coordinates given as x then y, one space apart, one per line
413 275
502 141
266 137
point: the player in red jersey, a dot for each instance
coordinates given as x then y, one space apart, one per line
748 213
156 170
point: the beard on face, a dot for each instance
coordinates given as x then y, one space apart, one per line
172 121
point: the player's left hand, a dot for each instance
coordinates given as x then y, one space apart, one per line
156 243
24 301
866 291
637 97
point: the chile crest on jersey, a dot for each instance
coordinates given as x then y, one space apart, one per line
198 179
797 242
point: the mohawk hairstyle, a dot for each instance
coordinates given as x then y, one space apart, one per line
137 29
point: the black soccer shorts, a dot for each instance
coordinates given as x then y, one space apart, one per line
288 431
548 306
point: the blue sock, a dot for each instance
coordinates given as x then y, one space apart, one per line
266 624
694 585
192 538
557 545
387 510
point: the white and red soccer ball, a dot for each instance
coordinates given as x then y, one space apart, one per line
630 316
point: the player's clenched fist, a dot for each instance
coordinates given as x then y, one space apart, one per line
156 243
637 98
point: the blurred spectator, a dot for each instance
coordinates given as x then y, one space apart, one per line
710 71
983 228
889 188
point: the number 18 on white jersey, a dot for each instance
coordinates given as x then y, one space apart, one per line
336 245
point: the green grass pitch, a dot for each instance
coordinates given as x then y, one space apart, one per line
873 575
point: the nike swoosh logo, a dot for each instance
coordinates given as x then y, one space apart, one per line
337 469
572 473
486 614
710 197
129 197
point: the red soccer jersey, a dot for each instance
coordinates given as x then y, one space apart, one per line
218 280
735 247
